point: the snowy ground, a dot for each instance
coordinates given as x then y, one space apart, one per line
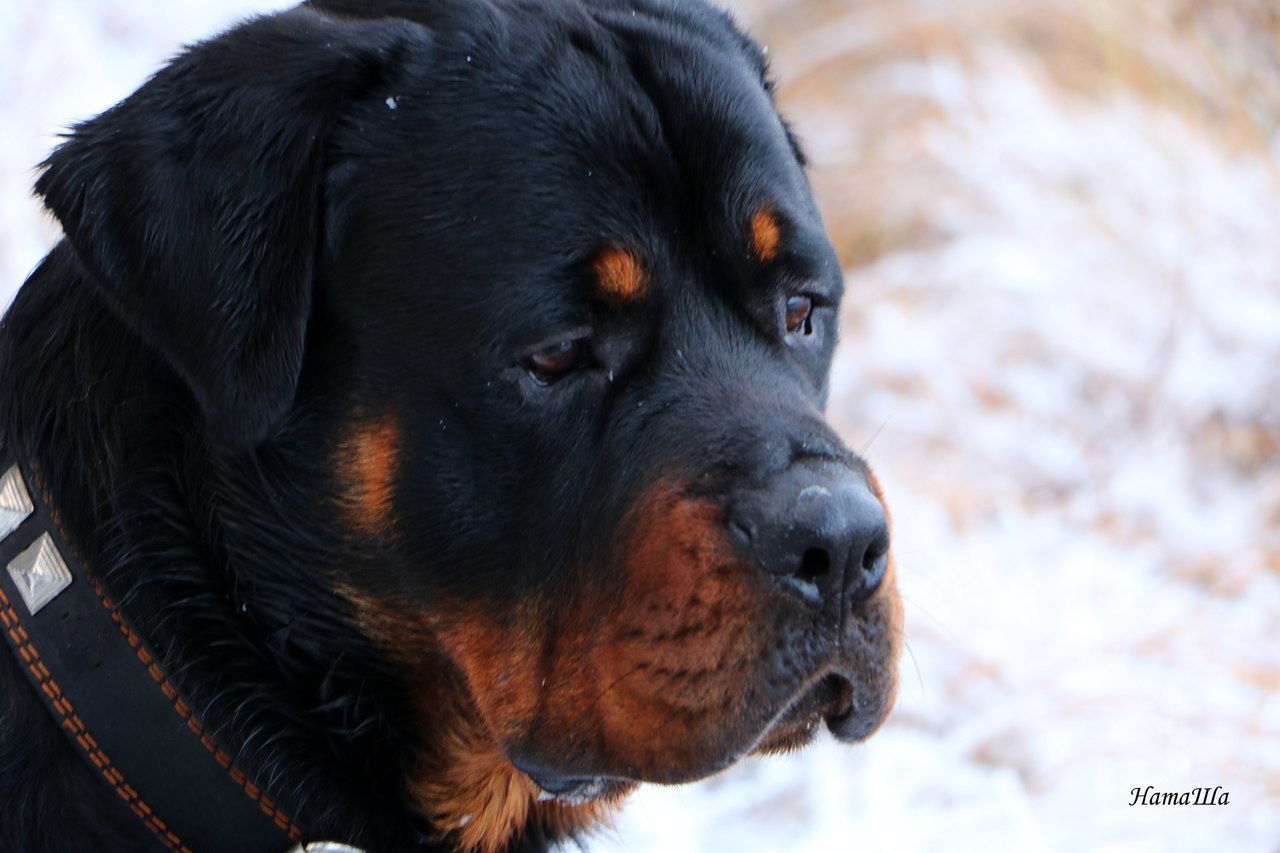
1061 224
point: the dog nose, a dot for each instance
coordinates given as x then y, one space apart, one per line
819 530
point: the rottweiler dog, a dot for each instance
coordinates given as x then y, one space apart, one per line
433 390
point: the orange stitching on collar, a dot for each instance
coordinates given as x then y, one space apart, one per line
71 721
170 691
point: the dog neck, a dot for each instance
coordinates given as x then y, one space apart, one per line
106 691
281 682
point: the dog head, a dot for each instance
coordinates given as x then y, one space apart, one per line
552 280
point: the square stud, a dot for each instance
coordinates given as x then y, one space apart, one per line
15 502
39 573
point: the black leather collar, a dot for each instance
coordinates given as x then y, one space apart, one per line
109 695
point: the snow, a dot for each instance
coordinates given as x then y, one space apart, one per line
1061 347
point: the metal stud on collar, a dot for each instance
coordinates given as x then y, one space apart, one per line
15 501
40 573
325 847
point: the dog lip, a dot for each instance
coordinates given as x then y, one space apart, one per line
850 721
577 790
852 727
834 701
829 697
572 789
832 698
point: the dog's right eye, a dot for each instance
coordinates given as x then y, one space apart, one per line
799 315
554 362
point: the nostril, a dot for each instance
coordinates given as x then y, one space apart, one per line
821 533
875 563
873 558
815 563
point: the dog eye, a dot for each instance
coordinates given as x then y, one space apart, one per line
799 315
557 360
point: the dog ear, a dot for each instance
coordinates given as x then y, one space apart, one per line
195 204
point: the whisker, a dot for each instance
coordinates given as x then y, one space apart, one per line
915 663
938 623
867 446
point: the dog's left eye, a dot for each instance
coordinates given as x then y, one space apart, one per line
554 362
799 315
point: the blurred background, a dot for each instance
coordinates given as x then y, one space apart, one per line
1060 223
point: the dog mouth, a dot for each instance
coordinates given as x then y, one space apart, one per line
831 702
701 692
836 694
579 790
847 716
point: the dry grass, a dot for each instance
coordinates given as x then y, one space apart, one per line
1040 333
865 100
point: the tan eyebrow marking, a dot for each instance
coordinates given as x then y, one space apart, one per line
619 274
766 235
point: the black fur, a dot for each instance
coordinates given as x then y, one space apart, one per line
381 206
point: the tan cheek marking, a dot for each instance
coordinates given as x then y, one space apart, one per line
619 275
673 661
461 780
481 800
766 235
367 462
480 791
